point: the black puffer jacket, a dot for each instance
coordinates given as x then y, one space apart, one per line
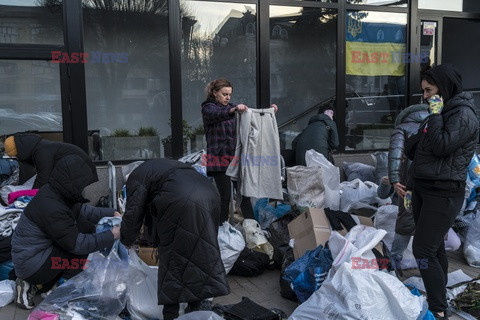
183 208
406 125
446 143
54 216
44 154
321 135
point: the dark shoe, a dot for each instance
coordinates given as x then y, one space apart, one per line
25 294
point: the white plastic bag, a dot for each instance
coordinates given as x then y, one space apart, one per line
7 292
305 186
355 191
331 177
385 219
471 248
142 298
359 290
200 315
255 238
231 243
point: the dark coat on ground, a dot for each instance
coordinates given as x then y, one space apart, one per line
44 154
321 135
406 125
54 216
181 205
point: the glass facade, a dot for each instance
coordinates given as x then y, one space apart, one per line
127 79
302 65
124 70
29 96
31 21
376 61
218 41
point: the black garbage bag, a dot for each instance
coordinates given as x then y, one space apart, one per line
285 289
279 236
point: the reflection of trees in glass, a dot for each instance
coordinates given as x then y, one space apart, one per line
136 28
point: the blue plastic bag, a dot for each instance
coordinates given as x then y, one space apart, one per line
474 170
265 213
415 292
307 273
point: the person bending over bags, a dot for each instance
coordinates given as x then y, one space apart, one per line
56 231
181 209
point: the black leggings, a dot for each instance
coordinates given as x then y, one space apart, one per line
435 205
223 185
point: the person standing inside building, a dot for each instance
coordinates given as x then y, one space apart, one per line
441 152
220 130
178 207
321 135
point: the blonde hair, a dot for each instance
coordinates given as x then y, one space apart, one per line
216 85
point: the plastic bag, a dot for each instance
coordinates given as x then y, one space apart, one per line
357 191
265 213
471 248
231 243
307 273
98 292
255 238
142 301
343 294
331 177
7 292
305 186
474 170
385 219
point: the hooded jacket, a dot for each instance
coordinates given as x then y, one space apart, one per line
321 135
183 208
445 144
52 219
407 124
44 154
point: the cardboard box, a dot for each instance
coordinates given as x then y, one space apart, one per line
312 228
148 255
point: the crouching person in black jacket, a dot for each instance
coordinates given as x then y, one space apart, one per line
55 232
182 209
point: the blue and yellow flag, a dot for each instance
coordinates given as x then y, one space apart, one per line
375 49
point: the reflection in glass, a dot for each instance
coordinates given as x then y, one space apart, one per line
302 65
29 96
451 5
128 88
385 3
31 21
219 40
375 76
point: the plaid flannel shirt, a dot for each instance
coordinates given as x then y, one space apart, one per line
220 134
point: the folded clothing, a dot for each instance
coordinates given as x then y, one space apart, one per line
12 196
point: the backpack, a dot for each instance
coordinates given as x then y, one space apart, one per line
250 263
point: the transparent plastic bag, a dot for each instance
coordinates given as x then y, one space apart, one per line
98 292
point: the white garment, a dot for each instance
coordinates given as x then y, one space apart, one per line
257 164
8 220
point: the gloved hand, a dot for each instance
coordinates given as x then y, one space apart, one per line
435 104
407 201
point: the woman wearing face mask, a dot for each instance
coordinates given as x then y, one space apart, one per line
220 131
441 152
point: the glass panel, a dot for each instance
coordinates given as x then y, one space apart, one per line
128 84
302 65
31 21
30 96
219 40
375 76
451 5
384 3
428 44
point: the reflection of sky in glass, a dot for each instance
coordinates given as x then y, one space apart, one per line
211 14
453 5
23 3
